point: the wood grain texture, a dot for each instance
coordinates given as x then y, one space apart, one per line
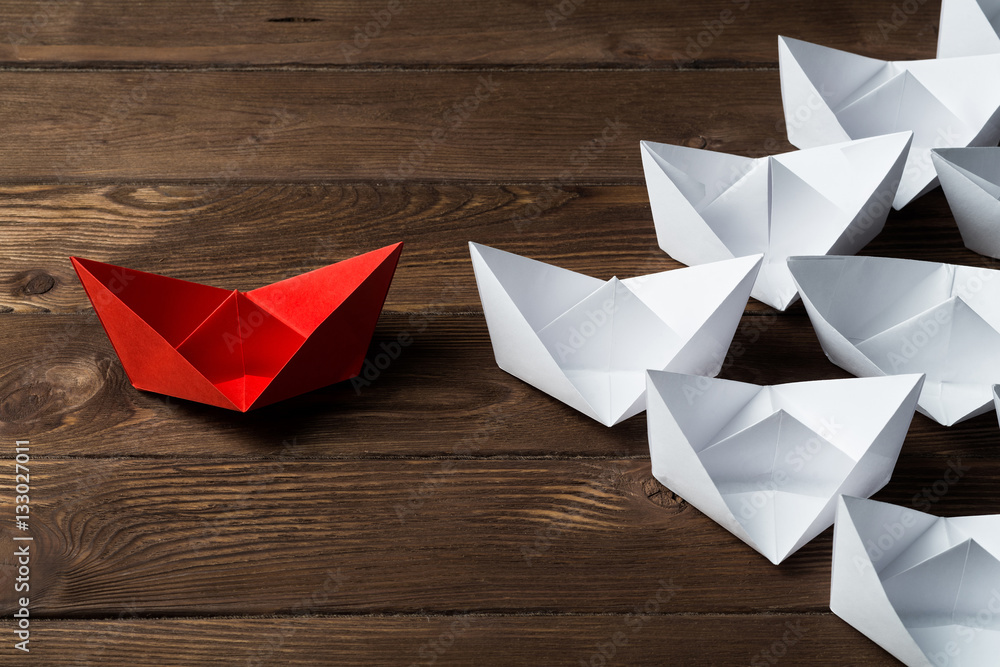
624 33
64 387
390 126
222 538
464 639
245 236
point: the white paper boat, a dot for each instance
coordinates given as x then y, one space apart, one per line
996 399
969 28
831 96
768 463
970 178
588 342
878 316
924 588
710 206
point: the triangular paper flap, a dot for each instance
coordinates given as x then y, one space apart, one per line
979 165
951 81
886 530
975 207
150 361
516 345
865 408
985 530
686 299
336 349
856 593
215 348
980 290
171 307
969 28
938 538
707 404
777 453
949 403
680 230
862 296
841 73
304 301
793 202
849 173
963 348
774 285
582 346
699 175
926 594
739 216
674 463
540 291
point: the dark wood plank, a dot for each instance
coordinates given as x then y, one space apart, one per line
391 126
215 537
626 33
64 387
464 639
245 236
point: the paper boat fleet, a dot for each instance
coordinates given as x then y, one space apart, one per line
768 463
924 588
588 342
710 206
241 350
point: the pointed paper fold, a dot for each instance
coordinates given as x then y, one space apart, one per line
969 28
970 178
709 206
768 463
588 342
877 316
241 350
924 588
831 96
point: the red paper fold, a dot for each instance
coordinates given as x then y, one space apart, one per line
241 350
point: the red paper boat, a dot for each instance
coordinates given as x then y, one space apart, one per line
241 350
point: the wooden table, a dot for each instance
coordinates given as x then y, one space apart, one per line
445 513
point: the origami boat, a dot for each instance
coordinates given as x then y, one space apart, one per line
970 178
710 206
588 342
768 463
831 96
877 316
924 588
969 28
241 350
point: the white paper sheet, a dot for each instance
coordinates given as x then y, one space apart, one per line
588 342
710 206
832 96
969 28
970 178
878 316
924 588
768 463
